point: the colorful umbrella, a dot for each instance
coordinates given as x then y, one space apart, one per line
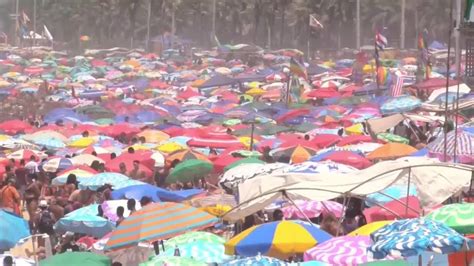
84 221
391 151
400 104
464 147
295 154
56 164
97 181
185 155
191 237
458 216
158 221
173 261
200 251
77 259
189 170
344 250
256 261
344 157
280 239
50 143
394 209
312 209
237 175
389 137
243 161
413 236
369 228
13 229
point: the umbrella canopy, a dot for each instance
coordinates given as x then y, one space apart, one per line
185 155
295 154
256 261
391 151
173 261
312 209
344 250
137 192
200 251
273 239
369 228
237 175
98 180
56 164
388 137
189 170
158 221
394 209
84 221
243 162
344 157
413 236
191 237
400 104
458 216
462 142
77 259
13 229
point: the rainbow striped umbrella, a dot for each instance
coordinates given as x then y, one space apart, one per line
157 221
280 239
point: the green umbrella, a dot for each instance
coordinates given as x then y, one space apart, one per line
104 121
193 237
231 122
458 216
189 170
172 261
77 259
305 127
387 263
389 137
243 161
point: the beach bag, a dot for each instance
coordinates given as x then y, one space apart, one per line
45 222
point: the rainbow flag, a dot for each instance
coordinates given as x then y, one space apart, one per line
298 68
382 74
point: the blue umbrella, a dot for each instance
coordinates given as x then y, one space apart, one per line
400 104
137 192
393 192
50 143
411 237
85 221
12 228
200 251
256 261
97 181
420 153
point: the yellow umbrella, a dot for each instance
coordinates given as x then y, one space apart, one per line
138 147
4 83
170 147
246 141
255 92
367 69
254 84
82 142
154 136
4 137
356 129
368 229
217 210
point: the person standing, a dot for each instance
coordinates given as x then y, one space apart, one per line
32 168
10 198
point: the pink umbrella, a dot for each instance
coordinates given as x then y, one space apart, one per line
349 158
354 139
312 209
344 250
393 209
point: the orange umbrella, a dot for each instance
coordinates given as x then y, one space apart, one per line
185 155
153 136
391 151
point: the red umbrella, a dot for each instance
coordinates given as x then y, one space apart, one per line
348 158
117 129
292 114
393 209
15 126
144 157
354 139
323 93
159 84
33 70
324 140
188 93
98 63
222 161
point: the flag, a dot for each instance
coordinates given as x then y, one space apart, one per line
468 12
397 85
298 68
296 90
47 33
423 62
314 23
382 75
380 41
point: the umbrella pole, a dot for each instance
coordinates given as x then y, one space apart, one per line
296 206
251 136
408 191
446 112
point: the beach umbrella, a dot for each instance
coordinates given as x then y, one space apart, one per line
250 160
344 250
256 261
24 154
458 216
154 136
80 172
354 139
395 209
158 221
390 193
77 259
13 127
15 144
400 104
239 174
18 261
391 151
98 180
137 192
189 170
324 167
192 237
312 209
295 154
172 261
214 199
85 159
389 137
344 157
82 142
200 251
184 155
84 221
50 143
463 142
369 228
13 229
273 239
56 164
411 237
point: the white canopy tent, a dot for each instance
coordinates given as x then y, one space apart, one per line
435 182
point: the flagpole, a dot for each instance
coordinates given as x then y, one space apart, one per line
377 65
288 86
358 24
450 32
34 22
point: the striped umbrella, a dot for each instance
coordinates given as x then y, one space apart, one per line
197 236
200 251
411 237
157 221
344 250
458 216
172 261
295 154
312 209
256 261
56 164
280 239
185 155
464 147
